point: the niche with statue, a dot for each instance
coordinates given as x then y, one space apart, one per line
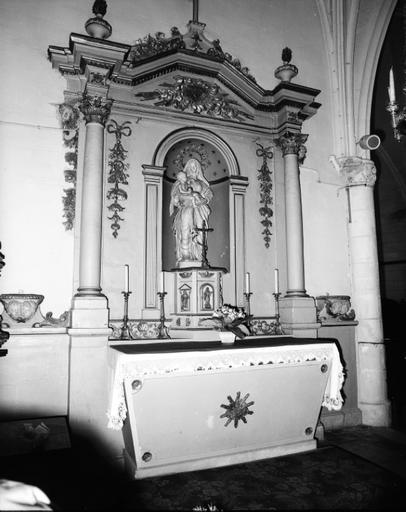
195 227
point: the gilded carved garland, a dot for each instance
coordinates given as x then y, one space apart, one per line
70 117
117 173
265 192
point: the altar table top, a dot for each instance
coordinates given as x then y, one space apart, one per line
138 347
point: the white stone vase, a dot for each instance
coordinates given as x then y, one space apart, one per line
286 72
21 308
227 337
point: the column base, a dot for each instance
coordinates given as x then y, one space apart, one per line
333 420
89 390
376 415
89 312
298 316
372 375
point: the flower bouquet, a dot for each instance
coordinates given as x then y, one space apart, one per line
229 318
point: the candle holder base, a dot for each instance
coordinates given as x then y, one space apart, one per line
125 333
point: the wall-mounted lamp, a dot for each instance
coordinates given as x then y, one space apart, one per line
398 115
370 142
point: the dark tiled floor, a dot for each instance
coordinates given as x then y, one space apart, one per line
385 447
77 479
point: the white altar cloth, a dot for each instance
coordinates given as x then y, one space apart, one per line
127 365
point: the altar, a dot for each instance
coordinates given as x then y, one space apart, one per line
187 406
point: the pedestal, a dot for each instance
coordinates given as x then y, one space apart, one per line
298 316
373 400
197 296
89 312
89 391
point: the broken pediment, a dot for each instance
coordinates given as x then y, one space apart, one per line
185 73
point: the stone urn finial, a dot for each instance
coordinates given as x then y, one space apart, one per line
98 27
287 71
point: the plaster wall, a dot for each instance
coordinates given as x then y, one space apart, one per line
327 267
38 250
34 375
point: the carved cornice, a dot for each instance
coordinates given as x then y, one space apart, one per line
292 143
194 40
355 170
112 60
95 109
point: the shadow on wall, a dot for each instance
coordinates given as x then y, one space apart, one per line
394 313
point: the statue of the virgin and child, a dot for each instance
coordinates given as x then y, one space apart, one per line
190 198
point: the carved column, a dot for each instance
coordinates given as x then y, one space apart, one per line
89 297
297 309
360 176
290 143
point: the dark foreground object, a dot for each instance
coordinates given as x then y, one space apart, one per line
328 478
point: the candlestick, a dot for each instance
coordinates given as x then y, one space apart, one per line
126 278
125 333
247 282
391 88
247 297
278 327
221 300
162 329
276 280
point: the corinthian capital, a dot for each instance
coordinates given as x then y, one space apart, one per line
291 143
355 170
95 108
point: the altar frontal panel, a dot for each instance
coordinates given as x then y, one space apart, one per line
186 421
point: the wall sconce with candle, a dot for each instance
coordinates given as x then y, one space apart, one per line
398 115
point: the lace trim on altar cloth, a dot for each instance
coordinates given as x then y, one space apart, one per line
132 369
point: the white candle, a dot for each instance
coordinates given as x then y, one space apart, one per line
126 278
247 282
276 280
391 88
162 284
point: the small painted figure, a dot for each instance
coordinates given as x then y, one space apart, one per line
184 300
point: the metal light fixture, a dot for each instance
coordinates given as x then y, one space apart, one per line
398 115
